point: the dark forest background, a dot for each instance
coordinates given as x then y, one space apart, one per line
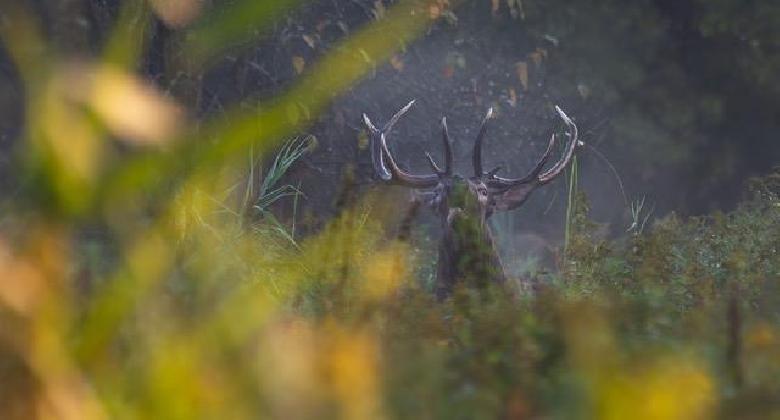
677 100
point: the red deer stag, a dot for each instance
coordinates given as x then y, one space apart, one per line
467 252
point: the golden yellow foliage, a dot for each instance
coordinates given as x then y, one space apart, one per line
674 388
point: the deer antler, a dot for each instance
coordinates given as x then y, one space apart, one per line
463 205
508 190
498 182
535 176
448 157
477 154
384 163
561 165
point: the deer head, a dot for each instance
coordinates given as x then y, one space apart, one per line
467 252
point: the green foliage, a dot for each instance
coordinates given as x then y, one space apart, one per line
700 292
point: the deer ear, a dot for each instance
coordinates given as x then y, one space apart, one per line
513 197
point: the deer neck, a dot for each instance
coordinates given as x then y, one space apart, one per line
467 253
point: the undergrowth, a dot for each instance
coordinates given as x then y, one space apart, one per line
678 321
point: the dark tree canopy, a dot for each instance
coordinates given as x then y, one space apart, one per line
681 96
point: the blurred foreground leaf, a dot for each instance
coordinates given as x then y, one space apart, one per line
233 133
232 23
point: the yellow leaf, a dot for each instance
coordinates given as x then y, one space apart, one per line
522 73
298 64
397 63
362 140
537 56
434 11
177 13
438 8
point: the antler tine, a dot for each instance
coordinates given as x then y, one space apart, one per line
433 164
477 154
377 158
498 182
568 155
534 176
492 173
543 160
404 178
398 116
448 156
383 161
